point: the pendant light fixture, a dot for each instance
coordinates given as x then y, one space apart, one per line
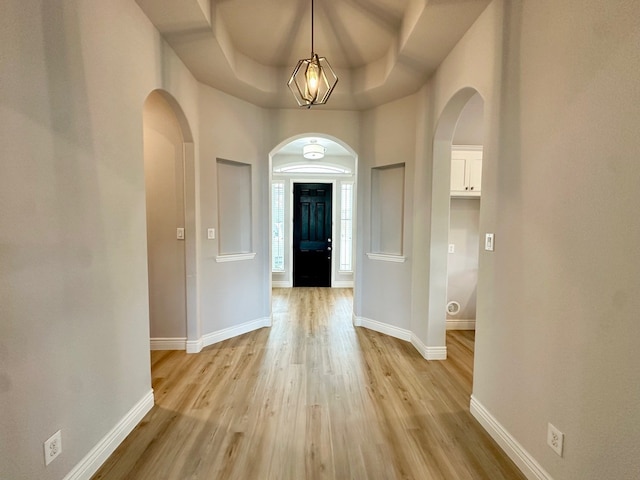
313 79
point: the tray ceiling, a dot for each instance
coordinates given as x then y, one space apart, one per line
381 49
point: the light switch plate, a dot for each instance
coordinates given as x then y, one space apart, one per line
488 242
180 233
211 233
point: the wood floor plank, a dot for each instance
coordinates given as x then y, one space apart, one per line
312 397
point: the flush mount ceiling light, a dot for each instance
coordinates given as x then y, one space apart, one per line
313 151
313 79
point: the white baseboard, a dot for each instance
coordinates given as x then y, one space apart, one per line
343 284
460 324
227 333
281 284
385 328
525 462
428 353
105 447
179 343
194 346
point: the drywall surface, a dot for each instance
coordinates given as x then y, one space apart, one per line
233 293
557 332
74 334
462 268
388 138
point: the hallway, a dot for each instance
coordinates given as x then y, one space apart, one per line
311 398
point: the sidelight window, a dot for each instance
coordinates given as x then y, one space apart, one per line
277 227
346 227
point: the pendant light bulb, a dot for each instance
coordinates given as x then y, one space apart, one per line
312 76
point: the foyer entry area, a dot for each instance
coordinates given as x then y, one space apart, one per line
311 398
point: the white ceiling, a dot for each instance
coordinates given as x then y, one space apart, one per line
381 50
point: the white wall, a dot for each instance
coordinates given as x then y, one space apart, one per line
74 335
388 138
462 264
232 293
557 301
555 331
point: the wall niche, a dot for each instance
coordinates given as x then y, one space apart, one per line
387 209
234 208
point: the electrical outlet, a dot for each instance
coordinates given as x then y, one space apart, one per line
555 439
452 248
52 447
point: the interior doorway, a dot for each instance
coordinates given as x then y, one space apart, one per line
464 216
312 234
170 200
441 185
334 244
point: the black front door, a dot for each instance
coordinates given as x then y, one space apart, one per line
312 235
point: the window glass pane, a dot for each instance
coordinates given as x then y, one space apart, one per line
346 227
277 226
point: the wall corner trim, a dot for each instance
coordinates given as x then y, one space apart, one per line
194 346
385 257
516 452
428 353
236 257
105 447
161 343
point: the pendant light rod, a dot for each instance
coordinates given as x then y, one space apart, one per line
312 50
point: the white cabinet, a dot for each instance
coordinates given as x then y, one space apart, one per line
466 171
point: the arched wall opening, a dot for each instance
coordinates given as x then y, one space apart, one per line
169 164
440 216
287 167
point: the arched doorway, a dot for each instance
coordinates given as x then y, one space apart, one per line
440 216
171 240
338 170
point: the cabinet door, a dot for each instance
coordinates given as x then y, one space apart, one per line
474 166
458 173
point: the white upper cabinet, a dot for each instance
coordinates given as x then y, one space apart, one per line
466 171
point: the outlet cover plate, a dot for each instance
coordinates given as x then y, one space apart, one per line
488 242
52 447
555 439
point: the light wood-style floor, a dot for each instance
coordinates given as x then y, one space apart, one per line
311 398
